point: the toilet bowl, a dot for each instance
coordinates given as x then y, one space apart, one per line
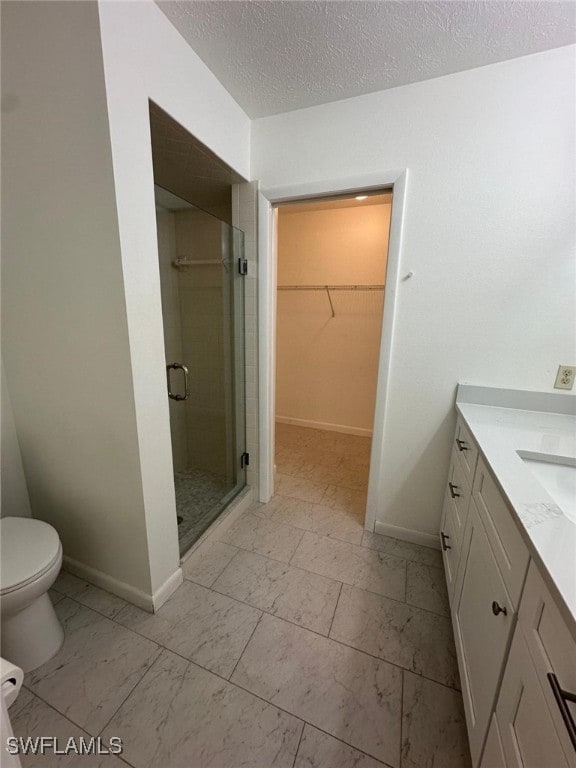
31 560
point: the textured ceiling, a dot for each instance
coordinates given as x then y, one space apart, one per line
279 55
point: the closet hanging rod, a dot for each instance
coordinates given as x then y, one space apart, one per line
331 287
196 263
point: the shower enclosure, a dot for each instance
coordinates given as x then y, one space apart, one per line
202 286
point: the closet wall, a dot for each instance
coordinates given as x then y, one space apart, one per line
327 366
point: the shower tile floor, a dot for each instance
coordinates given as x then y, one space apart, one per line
297 640
199 499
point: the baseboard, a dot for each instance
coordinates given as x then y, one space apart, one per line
110 584
325 426
406 534
167 589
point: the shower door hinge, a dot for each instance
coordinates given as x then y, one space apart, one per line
244 460
243 266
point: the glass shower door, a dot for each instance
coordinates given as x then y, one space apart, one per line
203 312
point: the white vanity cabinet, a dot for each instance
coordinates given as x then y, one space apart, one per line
466 449
454 514
516 653
529 736
552 654
456 502
483 617
510 551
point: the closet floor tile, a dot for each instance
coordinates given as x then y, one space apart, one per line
299 487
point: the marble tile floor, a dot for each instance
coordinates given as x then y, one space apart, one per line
292 643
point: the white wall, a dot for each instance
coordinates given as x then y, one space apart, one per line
326 368
82 328
489 234
14 499
145 58
64 332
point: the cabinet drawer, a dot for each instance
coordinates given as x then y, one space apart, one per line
529 736
509 549
458 491
466 449
483 620
552 649
450 545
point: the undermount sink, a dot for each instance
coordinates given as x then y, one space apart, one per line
557 475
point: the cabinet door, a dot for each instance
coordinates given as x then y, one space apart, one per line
493 755
552 649
528 734
509 549
466 447
458 492
483 619
450 546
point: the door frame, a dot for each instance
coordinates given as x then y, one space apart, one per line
396 180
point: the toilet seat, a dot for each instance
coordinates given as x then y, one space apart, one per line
29 549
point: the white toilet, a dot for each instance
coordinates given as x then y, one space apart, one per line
31 560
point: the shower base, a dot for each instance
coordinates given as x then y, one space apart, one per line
200 497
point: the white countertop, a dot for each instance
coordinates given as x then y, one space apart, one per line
500 432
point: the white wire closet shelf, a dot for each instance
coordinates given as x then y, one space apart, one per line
329 288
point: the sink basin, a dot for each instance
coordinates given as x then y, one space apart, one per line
557 475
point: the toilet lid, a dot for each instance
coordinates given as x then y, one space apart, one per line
28 548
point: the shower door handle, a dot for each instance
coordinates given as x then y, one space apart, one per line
175 366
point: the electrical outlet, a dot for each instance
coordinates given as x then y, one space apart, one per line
565 377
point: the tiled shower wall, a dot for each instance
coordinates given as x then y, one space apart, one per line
245 217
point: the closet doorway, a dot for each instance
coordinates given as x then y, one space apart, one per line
331 276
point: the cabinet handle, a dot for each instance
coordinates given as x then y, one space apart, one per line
453 491
496 609
461 445
562 697
444 538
